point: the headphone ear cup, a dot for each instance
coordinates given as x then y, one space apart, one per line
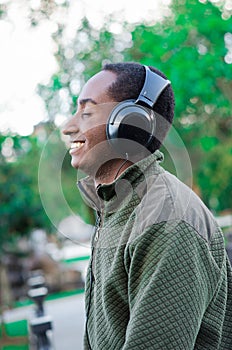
130 127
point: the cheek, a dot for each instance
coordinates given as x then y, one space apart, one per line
96 134
98 147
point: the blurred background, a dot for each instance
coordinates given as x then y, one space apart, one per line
49 48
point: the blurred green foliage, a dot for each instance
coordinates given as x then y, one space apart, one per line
193 47
21 208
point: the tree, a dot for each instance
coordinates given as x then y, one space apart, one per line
78 60
193 47
21 209
20 193
196 58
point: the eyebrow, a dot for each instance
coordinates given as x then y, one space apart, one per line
87 100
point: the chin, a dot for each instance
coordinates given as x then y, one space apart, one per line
75 164
85 168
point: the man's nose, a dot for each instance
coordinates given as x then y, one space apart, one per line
70 126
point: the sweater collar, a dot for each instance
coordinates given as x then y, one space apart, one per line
110 196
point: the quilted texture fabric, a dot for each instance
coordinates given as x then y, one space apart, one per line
159 277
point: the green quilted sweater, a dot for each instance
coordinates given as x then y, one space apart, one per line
159 277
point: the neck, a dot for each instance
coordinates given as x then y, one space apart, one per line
111 170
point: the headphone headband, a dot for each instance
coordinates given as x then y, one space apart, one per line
154 84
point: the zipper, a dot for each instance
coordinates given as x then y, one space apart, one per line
98 225
96 236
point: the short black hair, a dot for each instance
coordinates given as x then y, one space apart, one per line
129 82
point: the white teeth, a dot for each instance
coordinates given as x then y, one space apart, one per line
75 145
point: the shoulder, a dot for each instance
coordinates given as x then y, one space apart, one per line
167 199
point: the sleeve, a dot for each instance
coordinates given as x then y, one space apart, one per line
172 278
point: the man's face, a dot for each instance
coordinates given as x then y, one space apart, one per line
87 128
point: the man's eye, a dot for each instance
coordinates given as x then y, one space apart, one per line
85 115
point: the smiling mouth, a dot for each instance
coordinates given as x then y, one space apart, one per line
76 145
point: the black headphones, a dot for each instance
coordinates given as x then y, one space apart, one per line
132 123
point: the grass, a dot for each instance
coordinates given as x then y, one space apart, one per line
14 335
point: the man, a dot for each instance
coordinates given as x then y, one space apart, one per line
159 277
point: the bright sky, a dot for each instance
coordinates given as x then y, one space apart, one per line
27 53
